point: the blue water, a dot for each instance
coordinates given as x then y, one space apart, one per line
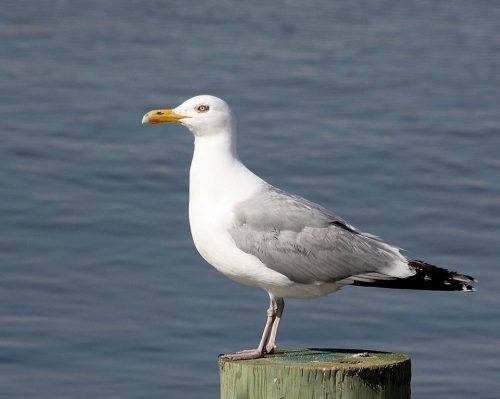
385 112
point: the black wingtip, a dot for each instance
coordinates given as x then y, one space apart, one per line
426 277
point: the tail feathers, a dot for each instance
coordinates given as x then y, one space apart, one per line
426 277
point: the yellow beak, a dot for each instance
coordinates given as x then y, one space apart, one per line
162 116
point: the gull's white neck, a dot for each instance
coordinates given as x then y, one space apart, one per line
217 174
214 151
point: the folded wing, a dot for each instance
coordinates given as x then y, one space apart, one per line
309 244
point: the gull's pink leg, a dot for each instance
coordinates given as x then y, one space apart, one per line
269 327
271 342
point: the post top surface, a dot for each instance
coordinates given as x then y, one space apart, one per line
327 358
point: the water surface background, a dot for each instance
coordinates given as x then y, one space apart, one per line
385 112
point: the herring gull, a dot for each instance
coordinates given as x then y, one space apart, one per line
264 237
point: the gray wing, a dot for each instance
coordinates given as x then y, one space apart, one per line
307 243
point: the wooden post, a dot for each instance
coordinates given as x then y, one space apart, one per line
318 373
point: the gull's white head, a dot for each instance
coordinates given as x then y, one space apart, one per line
203 115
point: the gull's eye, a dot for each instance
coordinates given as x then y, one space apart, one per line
202 108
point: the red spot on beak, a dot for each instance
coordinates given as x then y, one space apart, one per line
154 121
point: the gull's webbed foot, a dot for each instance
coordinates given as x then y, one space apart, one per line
244 355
